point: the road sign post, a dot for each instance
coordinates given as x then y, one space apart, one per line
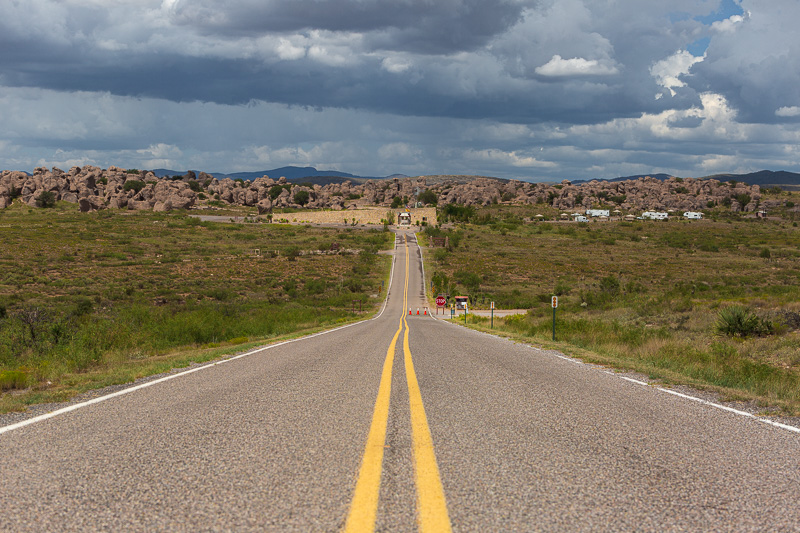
554 303
492 325
441 301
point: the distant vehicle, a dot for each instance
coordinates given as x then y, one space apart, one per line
461 302
581 218
693 215
597 212
655 215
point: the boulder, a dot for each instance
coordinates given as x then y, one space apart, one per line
160 206
264 206
138 205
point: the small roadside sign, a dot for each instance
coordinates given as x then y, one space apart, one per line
555 302
492 305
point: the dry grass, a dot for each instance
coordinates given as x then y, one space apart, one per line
85 295
644 296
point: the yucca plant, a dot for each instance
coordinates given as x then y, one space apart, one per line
739 321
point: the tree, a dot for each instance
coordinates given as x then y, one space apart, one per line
301 197
46 199
428 197
397 202
275 191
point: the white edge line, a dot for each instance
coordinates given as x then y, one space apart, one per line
763 420
74 407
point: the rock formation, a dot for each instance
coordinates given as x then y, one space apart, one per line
92 188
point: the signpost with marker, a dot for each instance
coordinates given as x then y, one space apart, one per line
554 303
492 326
441 301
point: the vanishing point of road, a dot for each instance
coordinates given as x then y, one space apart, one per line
398 423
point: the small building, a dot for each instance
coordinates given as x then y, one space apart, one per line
693 215
461 302
404 218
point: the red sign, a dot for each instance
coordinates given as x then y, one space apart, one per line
441 301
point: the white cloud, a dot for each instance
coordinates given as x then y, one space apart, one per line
789 111
576 66
399 151
395 65
729 25
161 151
507 158
288 51
667 72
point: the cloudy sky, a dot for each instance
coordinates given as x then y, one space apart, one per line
539 90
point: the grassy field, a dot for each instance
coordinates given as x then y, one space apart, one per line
94 299
712 303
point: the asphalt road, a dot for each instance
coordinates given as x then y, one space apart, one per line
399 423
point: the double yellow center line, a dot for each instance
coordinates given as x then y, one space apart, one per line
431 505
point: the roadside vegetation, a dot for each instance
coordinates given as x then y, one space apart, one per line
712 303
89 300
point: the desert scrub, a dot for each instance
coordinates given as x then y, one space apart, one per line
646 295
78 295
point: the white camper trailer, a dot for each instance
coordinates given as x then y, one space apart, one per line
655 215
597 212
693 215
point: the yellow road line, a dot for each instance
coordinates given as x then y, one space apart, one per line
364 507
431 503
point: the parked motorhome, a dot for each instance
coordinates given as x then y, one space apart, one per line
655 215
597 212
581 218
693 215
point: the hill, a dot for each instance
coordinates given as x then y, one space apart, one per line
291 173
762 178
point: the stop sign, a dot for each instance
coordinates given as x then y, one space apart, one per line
440 301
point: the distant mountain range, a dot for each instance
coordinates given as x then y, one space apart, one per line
295 174
324 177
761 178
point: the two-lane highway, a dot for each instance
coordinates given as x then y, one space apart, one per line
399 423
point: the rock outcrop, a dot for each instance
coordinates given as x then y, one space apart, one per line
93 188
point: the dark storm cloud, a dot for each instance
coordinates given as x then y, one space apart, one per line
547 87
442 26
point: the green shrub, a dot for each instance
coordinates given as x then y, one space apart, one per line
738 321
316 286
301 197
13 379
428 197
743 199
610 284
133 185
46 199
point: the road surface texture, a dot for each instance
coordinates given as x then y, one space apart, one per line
399 423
